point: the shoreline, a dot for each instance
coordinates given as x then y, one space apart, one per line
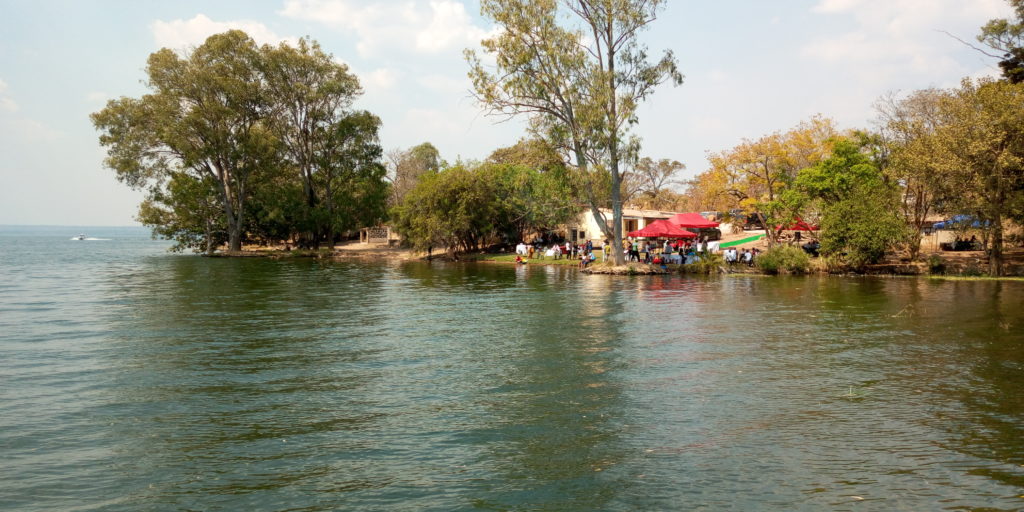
957 267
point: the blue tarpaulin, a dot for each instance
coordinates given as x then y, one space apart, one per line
959 221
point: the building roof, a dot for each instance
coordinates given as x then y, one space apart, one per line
647 214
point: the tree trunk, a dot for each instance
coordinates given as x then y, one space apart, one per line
995 254
620 258
234 225
997 206
314 229
209 238
602 221
234 235
228 198
613 149
769 233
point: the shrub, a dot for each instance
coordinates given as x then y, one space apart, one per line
972 270
833 264
786 258
936 265
707 264
864 226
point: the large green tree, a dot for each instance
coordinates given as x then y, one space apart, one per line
241 122
757 174
187 210
857 206
578 70
978 149
907 124
205 118
333 148
453 208
469 206
1006 37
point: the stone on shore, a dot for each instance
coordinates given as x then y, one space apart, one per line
629 269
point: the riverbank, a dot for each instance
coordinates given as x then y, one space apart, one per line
340 251
971 264
949 265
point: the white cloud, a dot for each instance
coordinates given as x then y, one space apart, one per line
437 123
28 131
97 97
445 83
449 27
836 5
892 38
424 27
7 104
382 78
178 34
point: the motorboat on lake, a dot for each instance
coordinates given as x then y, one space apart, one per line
79 237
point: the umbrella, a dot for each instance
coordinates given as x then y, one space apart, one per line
692 220
662 229
799 225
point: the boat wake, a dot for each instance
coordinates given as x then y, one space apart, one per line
91 239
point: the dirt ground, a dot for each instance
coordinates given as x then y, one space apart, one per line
969 261
359 249
956 262
353 249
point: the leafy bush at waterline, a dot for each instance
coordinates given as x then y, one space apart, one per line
786 258
706 264
936 265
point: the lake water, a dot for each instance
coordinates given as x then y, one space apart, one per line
133 379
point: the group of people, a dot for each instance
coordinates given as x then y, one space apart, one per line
538 249
734 257
667 251
651 252
568 249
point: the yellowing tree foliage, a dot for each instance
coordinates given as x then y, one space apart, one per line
754 174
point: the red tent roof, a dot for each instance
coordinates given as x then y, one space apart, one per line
799 225
662 229
692 220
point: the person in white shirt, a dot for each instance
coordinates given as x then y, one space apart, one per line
730 256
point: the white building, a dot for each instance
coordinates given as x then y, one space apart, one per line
587 227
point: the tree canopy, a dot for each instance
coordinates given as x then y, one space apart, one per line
754 175
856 205
231 121
579 74
467 207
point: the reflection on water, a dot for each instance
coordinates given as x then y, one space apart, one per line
176 383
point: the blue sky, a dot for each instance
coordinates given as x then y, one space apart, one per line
752 67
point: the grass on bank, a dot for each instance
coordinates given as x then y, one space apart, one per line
511 258
977 278
709 265
790 260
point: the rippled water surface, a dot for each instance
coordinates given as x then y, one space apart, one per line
131 379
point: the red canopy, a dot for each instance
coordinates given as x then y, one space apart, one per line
799 225
662 229
692 220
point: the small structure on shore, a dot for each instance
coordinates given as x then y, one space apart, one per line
379 235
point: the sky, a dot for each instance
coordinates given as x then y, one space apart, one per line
752 67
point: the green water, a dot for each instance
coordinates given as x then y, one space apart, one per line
135 380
